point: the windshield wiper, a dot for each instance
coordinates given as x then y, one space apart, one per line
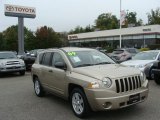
83 65
101 63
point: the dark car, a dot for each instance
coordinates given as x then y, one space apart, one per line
29 58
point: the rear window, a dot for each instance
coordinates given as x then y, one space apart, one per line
131 50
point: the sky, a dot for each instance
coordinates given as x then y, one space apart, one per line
64 15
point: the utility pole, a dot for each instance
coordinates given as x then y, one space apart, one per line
120 37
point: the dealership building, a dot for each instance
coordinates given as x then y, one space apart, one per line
138 37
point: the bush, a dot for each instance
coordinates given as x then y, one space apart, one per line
109 49
144 49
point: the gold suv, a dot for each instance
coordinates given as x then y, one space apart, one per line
89 79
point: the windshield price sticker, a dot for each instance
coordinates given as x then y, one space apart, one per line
71 53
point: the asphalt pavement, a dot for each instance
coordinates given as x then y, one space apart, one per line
19 102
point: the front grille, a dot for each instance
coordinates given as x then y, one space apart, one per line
12 63
127 84
10 68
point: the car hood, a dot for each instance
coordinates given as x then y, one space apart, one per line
109 70
137 62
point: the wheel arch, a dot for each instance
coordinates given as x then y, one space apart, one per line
71 86
34 77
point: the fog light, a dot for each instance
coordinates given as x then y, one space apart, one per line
107 105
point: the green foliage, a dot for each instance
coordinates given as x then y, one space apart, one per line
46 37
79 29
144 49
11 38
106 21
154 17
131 19
109 49
1 41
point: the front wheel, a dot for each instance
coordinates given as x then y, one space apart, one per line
22 72
79 103
157 79
38 88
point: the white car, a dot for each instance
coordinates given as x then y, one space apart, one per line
9 63
144 61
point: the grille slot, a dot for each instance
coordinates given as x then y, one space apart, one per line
12 63
128 83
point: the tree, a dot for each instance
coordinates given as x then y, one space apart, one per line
154 17
79 29
46 37
30 40
11 38
1 41
106 21
131 20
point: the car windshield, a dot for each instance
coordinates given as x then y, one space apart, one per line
145 56
118 51
7 55
88 58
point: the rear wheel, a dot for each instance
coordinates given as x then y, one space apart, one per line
79 103
38 88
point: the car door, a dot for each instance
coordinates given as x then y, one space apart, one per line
57 76
45 69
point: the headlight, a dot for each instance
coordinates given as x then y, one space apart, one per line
142 76
92 85
141 66
107 82
22 62
2 65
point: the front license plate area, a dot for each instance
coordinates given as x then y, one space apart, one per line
134 98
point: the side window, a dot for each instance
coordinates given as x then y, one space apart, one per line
41 58
46 58
56 58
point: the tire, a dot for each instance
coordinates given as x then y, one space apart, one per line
38 88
157 79
22 72
79 103
151 74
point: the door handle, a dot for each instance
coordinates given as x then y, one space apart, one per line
50 71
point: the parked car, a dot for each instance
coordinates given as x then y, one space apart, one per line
156 72
144 61
132 51
121 55
29 58
9 63
89 79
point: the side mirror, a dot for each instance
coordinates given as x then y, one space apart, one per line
60 65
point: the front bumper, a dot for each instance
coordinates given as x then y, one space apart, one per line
100 99
12 69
